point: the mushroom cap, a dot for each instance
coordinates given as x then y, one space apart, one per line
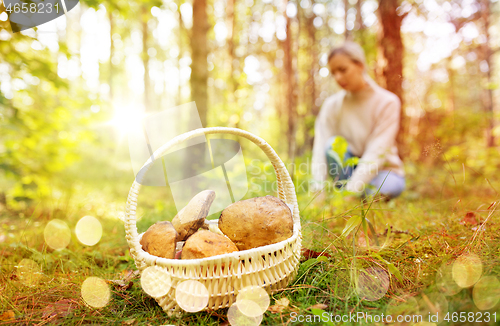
160 240
205 243
192 217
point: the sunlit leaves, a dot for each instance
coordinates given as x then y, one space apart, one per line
43 119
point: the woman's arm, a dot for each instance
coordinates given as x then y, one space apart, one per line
380 143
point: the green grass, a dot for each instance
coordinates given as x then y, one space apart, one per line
424 231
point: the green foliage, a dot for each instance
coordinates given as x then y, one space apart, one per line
339 147
339 150
351 224
390 266
43 121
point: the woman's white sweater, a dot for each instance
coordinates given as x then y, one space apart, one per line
369 121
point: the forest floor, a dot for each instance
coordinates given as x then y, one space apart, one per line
433 251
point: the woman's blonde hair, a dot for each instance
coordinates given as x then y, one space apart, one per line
351 49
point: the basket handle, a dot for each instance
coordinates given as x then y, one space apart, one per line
286 189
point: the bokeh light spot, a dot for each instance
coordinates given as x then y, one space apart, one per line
237 318
155 281
191 296
486 292
433 303
57 234
95 292
445 281
253 301
341 283
467 270
88 230
405 305
373 283
28 272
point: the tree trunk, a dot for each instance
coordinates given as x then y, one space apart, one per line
310 87
487 55
360 26
111 52
451 93
231 27
390 51
359 19
199 53
291 87
145 58
182 30
347 33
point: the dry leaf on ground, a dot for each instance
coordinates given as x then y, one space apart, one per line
470 218
61 308
125 281
280 305
308 253
7 315
321 306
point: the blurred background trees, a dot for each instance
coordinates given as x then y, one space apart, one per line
71 87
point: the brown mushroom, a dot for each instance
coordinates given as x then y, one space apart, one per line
192 217
204 244
160 240
257 222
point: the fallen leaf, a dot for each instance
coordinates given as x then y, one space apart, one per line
321 306
125 282
470 218
280 305
121 285
128 322
61 308
308 253
8 315
129 275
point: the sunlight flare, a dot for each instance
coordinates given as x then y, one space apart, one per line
237 318
95 292
57 234
126 118
253 301
373 283
467 270
88 230
191 296
486 292
28 272
155 281
445 281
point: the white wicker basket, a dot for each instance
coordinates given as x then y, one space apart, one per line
271 267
